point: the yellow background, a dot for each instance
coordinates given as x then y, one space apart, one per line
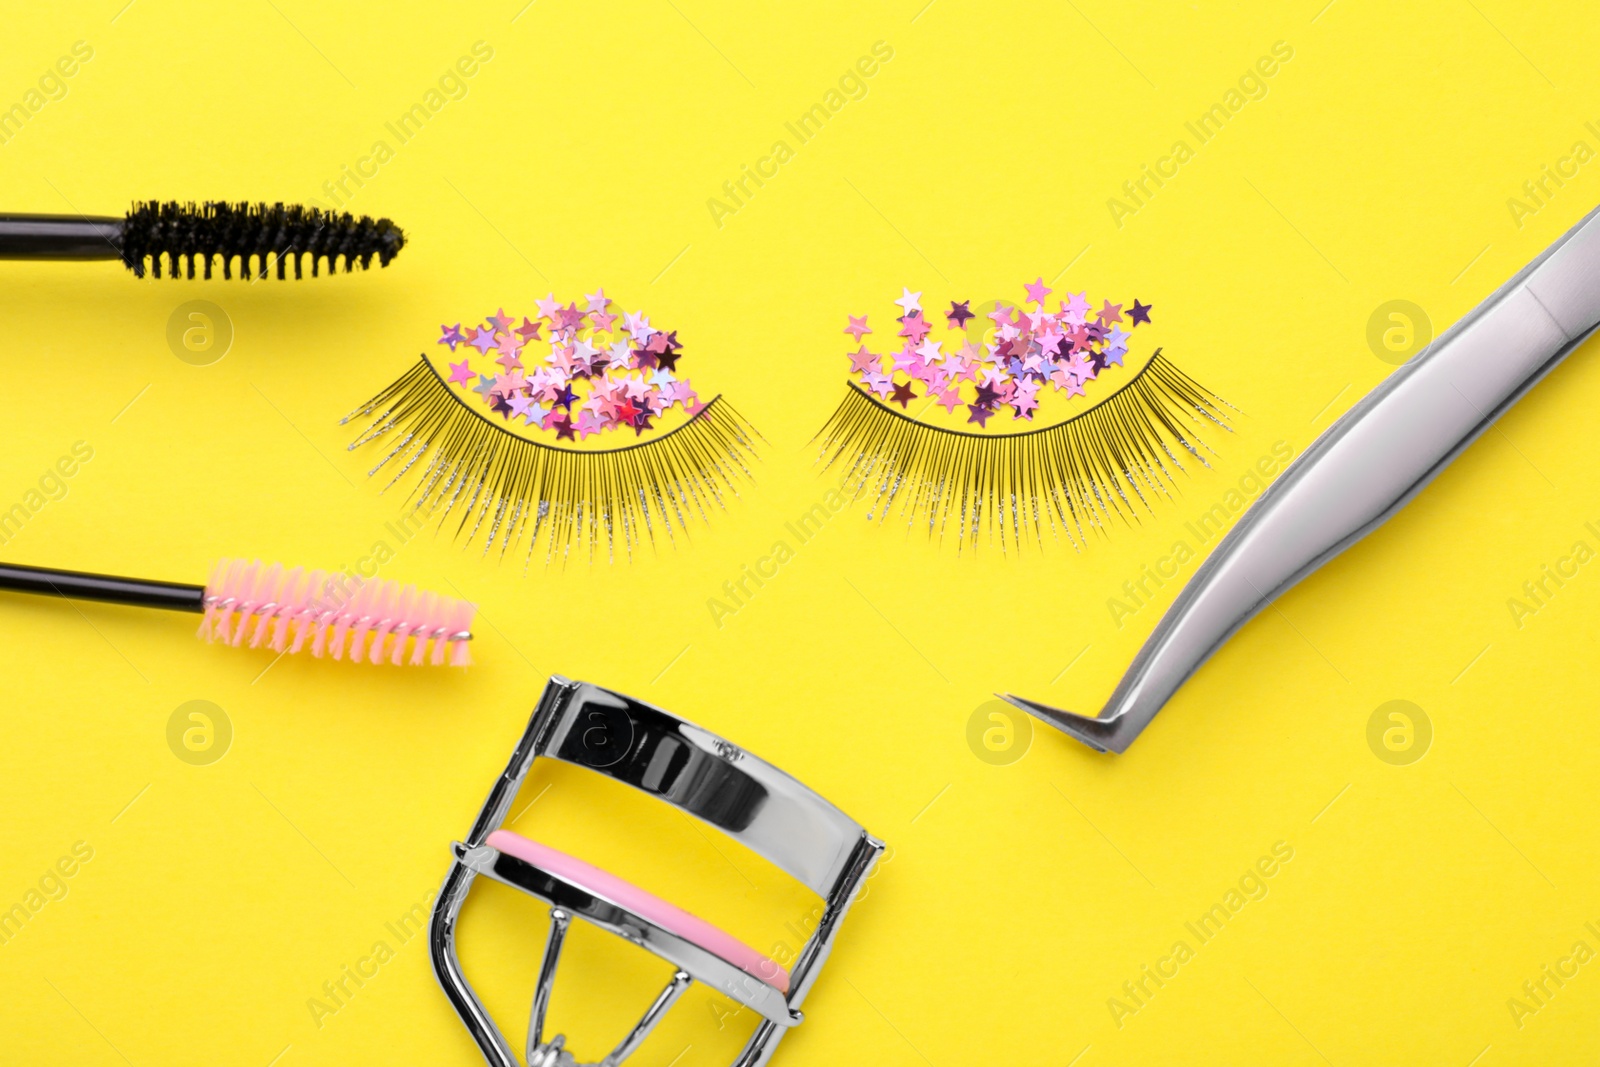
1018 899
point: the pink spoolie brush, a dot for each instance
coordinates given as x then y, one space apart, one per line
287 610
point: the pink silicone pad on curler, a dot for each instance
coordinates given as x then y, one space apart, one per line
674 920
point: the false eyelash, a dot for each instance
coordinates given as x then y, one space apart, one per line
555 495
1098 465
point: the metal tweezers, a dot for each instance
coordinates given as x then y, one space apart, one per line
1363 469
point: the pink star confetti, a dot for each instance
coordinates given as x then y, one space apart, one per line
1075 310
594 376
1027 353
914 327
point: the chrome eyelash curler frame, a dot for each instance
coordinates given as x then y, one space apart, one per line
697 772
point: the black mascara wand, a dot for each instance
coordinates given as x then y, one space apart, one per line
186 233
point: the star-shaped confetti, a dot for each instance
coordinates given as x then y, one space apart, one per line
569 317
594 371
914 326
882 384
1026 354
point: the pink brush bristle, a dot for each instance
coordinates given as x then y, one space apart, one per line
419 646
355 618
219 610
292 610
461 620
267 589
305 618
282 619
382 618
253 592
208 620
394 626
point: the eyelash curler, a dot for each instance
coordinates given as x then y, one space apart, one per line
697 772
1363 469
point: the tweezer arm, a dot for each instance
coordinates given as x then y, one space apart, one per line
1363 469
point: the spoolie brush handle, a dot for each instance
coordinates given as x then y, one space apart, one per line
60 237
79 585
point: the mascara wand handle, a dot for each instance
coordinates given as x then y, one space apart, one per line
60 237
1363 469
80 585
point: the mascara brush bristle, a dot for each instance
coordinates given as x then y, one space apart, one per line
294 610
184 236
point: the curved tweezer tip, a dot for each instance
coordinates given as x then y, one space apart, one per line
1099 734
